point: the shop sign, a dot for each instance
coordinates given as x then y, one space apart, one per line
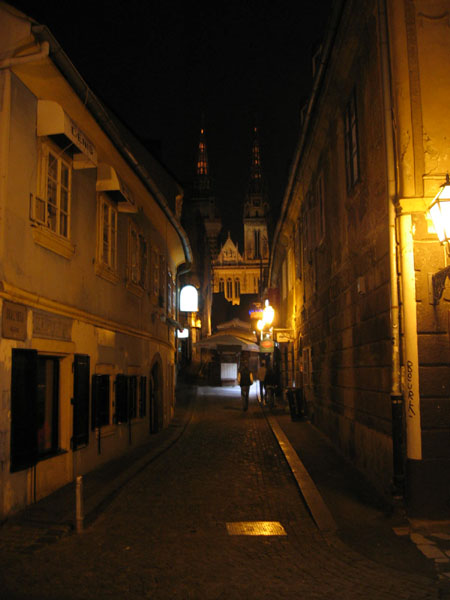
14 321
50 326
284 336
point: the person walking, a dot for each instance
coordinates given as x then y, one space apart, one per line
261 376
245 380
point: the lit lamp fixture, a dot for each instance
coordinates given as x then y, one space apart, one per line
268 313
439 211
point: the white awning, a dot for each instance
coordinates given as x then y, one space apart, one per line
52 120
109 181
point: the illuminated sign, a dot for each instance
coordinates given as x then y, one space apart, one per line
189 299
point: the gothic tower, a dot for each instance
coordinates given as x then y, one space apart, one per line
256 246
203 198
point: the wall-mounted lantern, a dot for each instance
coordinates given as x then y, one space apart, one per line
439 211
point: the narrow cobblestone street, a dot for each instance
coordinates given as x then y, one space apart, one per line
166 534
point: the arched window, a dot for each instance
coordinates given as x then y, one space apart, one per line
221 285
229 288
237 288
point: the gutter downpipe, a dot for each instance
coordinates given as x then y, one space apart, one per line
396 387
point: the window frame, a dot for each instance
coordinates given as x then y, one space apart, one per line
137 260
108 269
43 234
351 139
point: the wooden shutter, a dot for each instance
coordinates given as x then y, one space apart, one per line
24 448
100 401
143 396
121 415
80 401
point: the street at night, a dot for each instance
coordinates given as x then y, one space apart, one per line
177 528
224 300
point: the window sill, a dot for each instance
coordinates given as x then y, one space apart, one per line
52 454
105 431
105 272
135 289
53 242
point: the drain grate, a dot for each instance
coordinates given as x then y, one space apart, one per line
256 528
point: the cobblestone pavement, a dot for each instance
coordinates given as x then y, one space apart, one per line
166 533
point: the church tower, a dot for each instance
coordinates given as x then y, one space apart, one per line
203 198
256 207
241 277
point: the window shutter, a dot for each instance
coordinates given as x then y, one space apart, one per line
23 409
100 401
121 415
143 396
80 401
132 397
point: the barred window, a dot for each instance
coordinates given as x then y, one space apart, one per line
351 142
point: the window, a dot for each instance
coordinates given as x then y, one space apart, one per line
137 259
257 252
100 401
221 285
130 398
142 397
23 409
108 237
229 288
106 265
162 281
50 207
52 203
80 401
320 210
351 142
307 366
47 404
154 278
171 299
298 249
121 399
34 408
237 288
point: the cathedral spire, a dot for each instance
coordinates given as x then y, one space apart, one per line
255 185
256 201
203 198
202 176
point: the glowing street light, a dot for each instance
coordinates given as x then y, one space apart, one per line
439 211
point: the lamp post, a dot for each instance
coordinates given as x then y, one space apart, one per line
439 211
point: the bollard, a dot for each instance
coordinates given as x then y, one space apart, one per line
79 504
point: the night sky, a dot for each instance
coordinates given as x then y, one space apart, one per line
160 65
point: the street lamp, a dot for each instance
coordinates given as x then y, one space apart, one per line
439 211
268 314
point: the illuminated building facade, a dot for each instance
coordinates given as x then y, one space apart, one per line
91 248
354 250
